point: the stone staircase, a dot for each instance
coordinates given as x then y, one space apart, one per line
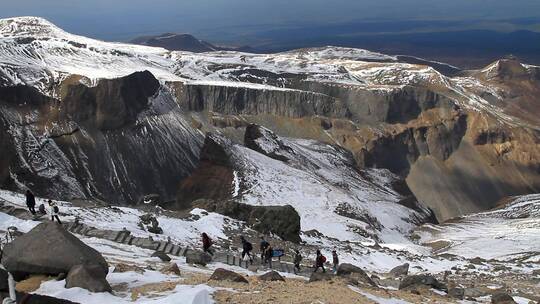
168 247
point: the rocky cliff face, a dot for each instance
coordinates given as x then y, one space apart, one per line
118 140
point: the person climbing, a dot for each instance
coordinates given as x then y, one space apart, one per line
207 243
247 247
319 261
31 201
335 260
54 211
297 260
268 255
264 245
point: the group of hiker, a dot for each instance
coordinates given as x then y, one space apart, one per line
267 252
31 204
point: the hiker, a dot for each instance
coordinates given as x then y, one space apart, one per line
297 260
41 209
335 260
54 211
207 243
268 255
246 249
31 201
264 246
319 261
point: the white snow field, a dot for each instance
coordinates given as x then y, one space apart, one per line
506 233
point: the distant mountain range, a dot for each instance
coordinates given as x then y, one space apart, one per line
184 42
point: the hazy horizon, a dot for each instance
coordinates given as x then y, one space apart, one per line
123 19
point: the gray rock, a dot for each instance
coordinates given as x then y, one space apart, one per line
162 256
198 257
536 272
320 276
502 298
221 274
355 272
172 268
398 271
271 276
48 249
89 277
150 223
421 279
456 293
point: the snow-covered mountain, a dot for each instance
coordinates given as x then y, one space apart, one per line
82 112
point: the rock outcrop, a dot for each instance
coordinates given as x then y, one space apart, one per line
198 257
26 255
89 277
398 271
421 279
354 272
271 276
162 256
283 221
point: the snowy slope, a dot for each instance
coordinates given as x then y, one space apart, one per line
323 185
504 233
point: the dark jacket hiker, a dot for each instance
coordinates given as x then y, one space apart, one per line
31 201
247 247
207 243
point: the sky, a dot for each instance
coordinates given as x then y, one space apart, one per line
124 19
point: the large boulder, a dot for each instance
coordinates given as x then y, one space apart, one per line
48 249
198 257
421 279
271 276
89 277
351 271
221 274
398 271
162 256
281 220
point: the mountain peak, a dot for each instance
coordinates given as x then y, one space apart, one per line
505 68
27 26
